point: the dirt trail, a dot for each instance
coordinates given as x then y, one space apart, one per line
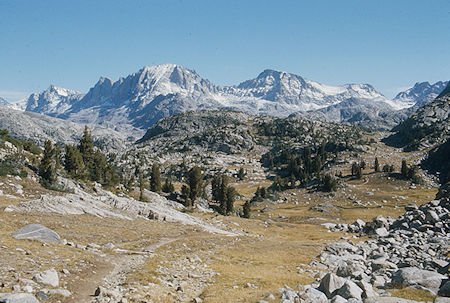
110 271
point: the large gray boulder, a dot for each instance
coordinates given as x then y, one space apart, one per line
367 289
350 290
413 276
312 295
37 232
330 283
48 277
18 298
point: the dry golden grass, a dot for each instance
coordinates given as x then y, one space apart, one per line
269 261
412 294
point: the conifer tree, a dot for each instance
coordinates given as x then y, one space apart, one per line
329 183
376 165
362 164
73 162
404 169
168 186
241 174
155 178
195 182
186 196
246 210
230 198
86 148
356 171
47 167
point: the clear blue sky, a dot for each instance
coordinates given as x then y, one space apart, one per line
390 44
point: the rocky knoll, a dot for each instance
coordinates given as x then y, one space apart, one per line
429 126
221 131
411 251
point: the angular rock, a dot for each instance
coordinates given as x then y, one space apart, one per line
338 299
330 284
381 232
367 289
312 295
37 232
48 277
350 290
18 298
412 276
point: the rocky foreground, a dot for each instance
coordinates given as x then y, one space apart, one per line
411 251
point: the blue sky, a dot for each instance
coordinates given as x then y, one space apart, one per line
389 44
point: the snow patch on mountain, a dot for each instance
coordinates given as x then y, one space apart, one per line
155 92
421 93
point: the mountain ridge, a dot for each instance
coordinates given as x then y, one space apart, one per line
154 92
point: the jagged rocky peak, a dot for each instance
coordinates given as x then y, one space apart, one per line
51 99
421 93
427 127
170 79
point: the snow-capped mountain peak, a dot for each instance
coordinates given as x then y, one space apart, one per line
421 93
52 101
155 92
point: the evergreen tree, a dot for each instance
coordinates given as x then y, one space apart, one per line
86 148
404 170
246 210
222 193
241 174
388 168
329 183
195 183
376 165
168 186
58 158
230 198
155 178
185 194
356 171
362 164
73 162
47 167
130 183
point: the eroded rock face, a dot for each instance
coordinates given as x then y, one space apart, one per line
37 232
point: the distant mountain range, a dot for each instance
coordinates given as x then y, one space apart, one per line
39 128
155 92
428 127
421 93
